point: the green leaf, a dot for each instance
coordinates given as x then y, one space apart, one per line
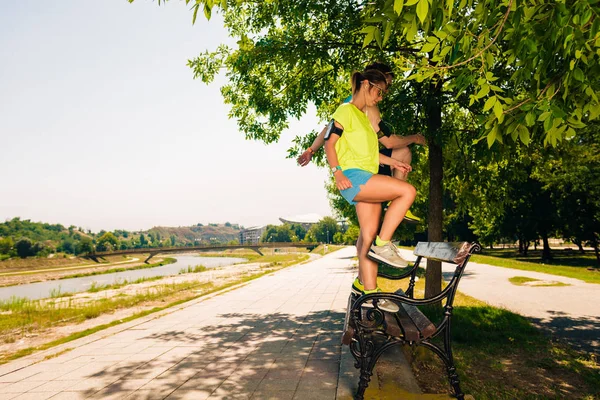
572 65
375 19
548 124
411 2
575 123
428 47
567 40
445 51
387 33
595 27
207 11
578 54
578 74
524 134
530 119
544 116
498 109
368 39
368 29
491 137
485 89
412 31
422 10
398 5
195 7
450 5
489 103
594 109
377 35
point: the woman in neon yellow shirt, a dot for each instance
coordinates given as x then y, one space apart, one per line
353 155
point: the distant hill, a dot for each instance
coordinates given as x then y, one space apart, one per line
25 238
199 234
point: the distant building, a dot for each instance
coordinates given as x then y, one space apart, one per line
306 220
252 235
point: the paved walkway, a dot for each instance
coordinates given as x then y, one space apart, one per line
277 337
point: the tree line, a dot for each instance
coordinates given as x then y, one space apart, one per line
24 238
327 230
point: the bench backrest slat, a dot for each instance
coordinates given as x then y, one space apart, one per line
453 252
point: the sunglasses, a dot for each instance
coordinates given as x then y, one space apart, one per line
382 91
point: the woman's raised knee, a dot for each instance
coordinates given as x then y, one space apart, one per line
402 154
404 189
411 191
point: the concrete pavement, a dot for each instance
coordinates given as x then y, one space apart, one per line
277 337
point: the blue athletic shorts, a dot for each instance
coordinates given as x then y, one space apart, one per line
357 177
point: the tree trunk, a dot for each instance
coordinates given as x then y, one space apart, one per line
546 255
595 244
520 246
433 275
580 246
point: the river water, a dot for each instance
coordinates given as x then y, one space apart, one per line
41 290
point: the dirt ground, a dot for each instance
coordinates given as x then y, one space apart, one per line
51 269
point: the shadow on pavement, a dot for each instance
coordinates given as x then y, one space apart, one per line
246 355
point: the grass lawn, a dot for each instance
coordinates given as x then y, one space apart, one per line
501 355
571 264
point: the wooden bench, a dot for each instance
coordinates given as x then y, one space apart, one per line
370 331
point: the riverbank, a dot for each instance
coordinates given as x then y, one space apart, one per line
26 327
47 269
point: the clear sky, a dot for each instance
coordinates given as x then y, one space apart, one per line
103 126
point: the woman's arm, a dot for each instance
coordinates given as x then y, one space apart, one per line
394 164
396 141
305 157
340 179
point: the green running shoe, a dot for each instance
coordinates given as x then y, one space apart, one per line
357 287
410 217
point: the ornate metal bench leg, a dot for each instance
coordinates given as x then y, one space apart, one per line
365 360
365 378
450 367
453 377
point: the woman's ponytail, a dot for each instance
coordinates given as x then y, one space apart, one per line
357 78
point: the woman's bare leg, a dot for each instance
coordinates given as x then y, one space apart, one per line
385 188
368 220
359 245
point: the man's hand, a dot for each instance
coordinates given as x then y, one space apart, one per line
341 181
419 139
399 165
305 158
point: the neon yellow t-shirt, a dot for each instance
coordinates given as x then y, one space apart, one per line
358 146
